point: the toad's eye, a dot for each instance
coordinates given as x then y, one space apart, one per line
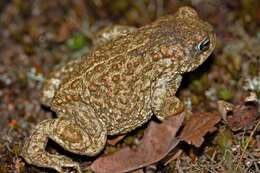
204 44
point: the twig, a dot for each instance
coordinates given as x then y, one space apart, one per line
250 138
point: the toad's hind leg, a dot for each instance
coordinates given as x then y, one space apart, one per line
70 135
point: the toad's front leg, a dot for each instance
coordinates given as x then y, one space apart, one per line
78 135
164 101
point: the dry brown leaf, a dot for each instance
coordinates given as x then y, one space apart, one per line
198 125
115 140
243 115
158 140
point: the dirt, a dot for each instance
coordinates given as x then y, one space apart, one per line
36 35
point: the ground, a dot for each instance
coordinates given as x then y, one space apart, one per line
36 35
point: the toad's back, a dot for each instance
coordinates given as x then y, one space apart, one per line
113 80
116 79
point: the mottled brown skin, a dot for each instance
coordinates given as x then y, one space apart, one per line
130 75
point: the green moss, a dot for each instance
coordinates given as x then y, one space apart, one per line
3 169
129 140
77 42
234 66
197 86
225 94
253 69
111 149
28 49
16 149
119 6
16 36
224 139
195 100
132 16
244 141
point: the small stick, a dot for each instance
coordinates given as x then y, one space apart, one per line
250 138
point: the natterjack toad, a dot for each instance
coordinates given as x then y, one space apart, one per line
130 75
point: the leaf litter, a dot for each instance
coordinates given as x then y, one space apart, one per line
242 115
35 36
158 141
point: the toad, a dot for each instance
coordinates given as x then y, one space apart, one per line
130 75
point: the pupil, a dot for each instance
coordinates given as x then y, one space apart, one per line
204 45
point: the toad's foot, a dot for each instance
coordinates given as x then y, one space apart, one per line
66 133
171 106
